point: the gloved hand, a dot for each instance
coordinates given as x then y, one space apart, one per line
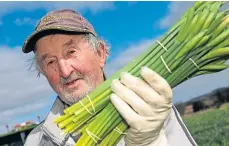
145 105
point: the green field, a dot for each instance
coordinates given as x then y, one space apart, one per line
20 130
211 127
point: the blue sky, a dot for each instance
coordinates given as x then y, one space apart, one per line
129 27
114 24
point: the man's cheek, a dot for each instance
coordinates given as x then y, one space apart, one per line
54 81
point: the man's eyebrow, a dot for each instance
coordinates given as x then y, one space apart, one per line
68 43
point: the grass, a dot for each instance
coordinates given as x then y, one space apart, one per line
211 127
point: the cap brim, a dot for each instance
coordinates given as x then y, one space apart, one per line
29 43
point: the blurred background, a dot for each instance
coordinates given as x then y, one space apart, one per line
129 28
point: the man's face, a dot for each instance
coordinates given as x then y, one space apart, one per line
71 66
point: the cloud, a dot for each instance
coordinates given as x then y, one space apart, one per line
6 115
94 7
201 85
125 57
225 6
175 11
21 91
25 21
131 3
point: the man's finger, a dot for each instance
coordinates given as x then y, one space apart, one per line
136 102
124 109
157 82
141 88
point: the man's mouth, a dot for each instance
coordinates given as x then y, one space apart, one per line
71 83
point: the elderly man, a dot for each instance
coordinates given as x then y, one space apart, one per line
71 56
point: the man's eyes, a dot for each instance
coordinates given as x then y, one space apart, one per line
49 62
72 52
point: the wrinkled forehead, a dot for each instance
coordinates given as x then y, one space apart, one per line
55 41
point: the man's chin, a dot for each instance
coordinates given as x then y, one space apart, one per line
73 97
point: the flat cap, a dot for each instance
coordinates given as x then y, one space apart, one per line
58 21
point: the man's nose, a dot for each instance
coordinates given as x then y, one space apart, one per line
65 68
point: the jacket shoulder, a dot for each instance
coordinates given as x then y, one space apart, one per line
34 136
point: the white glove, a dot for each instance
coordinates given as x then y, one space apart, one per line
144 105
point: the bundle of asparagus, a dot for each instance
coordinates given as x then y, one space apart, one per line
197 44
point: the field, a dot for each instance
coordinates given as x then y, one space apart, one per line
210 127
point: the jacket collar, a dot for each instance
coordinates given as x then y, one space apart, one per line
51 129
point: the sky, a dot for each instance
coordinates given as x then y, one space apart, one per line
128 27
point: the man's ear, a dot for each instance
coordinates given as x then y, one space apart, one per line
102 54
